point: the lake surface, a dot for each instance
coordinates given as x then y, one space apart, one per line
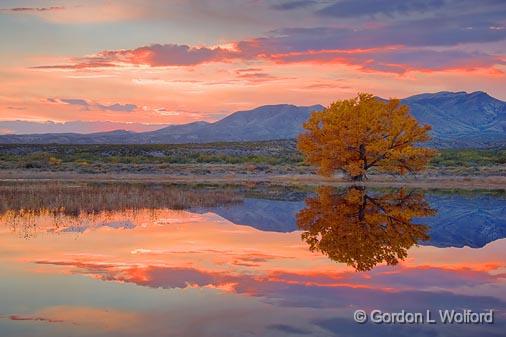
293 264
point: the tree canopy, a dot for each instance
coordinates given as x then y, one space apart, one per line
357 134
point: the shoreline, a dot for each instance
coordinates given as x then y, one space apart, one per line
424 182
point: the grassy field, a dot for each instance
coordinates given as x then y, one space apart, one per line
269 152
470 157
267 157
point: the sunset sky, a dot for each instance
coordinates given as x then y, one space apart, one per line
171 62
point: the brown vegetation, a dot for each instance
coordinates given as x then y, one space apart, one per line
73 199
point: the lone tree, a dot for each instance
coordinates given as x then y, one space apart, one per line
357 134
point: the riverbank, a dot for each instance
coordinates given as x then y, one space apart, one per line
419 181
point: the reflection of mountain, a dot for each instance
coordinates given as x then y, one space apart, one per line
472 220
263 214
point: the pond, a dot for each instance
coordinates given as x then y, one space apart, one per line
104 260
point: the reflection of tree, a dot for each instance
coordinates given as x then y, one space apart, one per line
363 230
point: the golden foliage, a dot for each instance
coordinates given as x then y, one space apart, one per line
357 134
363 230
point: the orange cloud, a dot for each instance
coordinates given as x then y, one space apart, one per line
389 59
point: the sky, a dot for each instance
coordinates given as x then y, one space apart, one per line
173 62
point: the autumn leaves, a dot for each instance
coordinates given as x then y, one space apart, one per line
362 133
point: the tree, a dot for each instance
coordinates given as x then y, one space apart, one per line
358 134
362 229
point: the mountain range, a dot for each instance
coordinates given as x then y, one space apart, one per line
21 127
458 119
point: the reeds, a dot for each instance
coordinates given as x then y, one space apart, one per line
75 199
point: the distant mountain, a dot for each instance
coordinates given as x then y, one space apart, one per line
112 137
29 127
458 120
267 122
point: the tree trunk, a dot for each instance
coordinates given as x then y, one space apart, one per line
358 178
363 157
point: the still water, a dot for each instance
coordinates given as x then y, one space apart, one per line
282 264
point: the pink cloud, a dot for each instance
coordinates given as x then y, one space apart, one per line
33 9
170 55
381 278
396 59
156 55
78 65
388 59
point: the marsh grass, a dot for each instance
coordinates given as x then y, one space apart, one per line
30 208
74 199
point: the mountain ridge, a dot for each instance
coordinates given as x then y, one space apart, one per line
459 119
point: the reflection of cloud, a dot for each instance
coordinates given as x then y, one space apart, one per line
289 329
382 287
108 319
401 278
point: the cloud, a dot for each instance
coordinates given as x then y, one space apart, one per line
289 5
256 75
398 60
420 33
81 64
168 55
33 9
74 101
156 55
34 318
86 105
353 8
88 12
397 46
295 48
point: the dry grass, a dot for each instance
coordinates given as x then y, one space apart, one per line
293 179
74 199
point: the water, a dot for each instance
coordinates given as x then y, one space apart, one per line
296 264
